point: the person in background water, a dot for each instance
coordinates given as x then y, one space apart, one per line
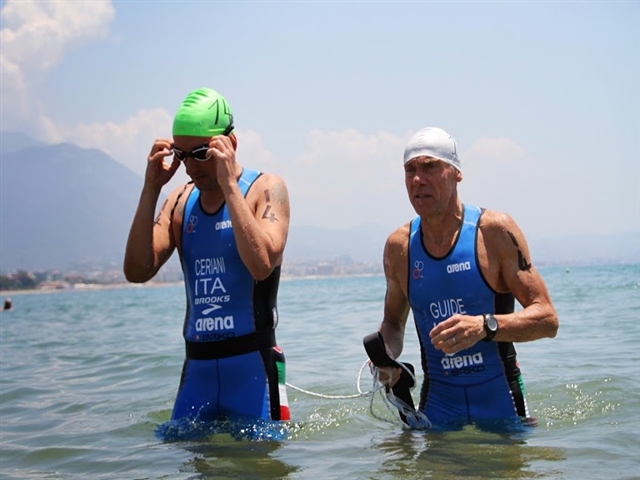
7 304
458 268
229 225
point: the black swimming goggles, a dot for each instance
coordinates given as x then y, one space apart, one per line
199 153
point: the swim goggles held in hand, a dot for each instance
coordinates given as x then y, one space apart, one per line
198 153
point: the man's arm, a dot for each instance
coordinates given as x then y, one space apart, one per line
506 244
505 262
150 242
261 220
260 223
396 304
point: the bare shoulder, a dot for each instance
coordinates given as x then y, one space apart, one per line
396 271
179 192
493 221
398 240
273 187
499 229
396 248
174 197
502 250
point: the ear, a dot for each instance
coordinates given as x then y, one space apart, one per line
234 140
458 175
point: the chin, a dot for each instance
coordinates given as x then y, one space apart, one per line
205 185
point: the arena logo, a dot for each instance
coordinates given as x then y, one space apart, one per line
458 267
223 225
462 361
210 324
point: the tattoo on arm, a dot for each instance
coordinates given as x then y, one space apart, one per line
523 263
267 214
279 195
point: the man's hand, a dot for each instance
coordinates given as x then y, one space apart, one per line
222 152
457 333
158 173
388 376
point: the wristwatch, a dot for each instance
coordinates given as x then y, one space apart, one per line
490 326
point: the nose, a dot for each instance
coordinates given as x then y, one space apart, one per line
416 179
190 164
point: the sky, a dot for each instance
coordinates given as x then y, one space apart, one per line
543 98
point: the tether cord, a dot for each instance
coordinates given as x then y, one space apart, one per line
341 397
415 420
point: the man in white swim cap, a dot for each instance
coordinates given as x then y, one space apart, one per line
458 268
435 143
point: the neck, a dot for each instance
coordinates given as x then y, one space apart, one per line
212 197
440 229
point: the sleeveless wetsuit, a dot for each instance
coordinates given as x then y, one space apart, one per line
233 367
481 383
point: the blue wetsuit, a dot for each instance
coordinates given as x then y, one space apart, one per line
481 383
233 367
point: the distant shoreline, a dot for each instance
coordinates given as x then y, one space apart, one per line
92 287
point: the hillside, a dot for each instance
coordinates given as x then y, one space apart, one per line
62 206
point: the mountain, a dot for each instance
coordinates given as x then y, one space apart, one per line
15 141
63 207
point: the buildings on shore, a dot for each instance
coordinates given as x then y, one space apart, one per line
95 277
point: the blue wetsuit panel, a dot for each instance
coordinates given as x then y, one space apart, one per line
481 382
226 305
231 387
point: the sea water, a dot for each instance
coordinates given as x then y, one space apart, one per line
87 377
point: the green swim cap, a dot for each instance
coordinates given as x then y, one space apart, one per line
204 113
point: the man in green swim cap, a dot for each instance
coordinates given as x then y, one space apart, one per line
229 226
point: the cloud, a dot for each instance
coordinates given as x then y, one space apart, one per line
346 178
34 37
128 142
252 148
499 174
340 179
497 152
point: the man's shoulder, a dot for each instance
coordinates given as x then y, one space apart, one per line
268 178
180 189
271 183
498 231
399 238
494 219
179 192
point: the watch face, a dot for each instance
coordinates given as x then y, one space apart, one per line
490 326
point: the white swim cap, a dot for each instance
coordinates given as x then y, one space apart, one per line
433 142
